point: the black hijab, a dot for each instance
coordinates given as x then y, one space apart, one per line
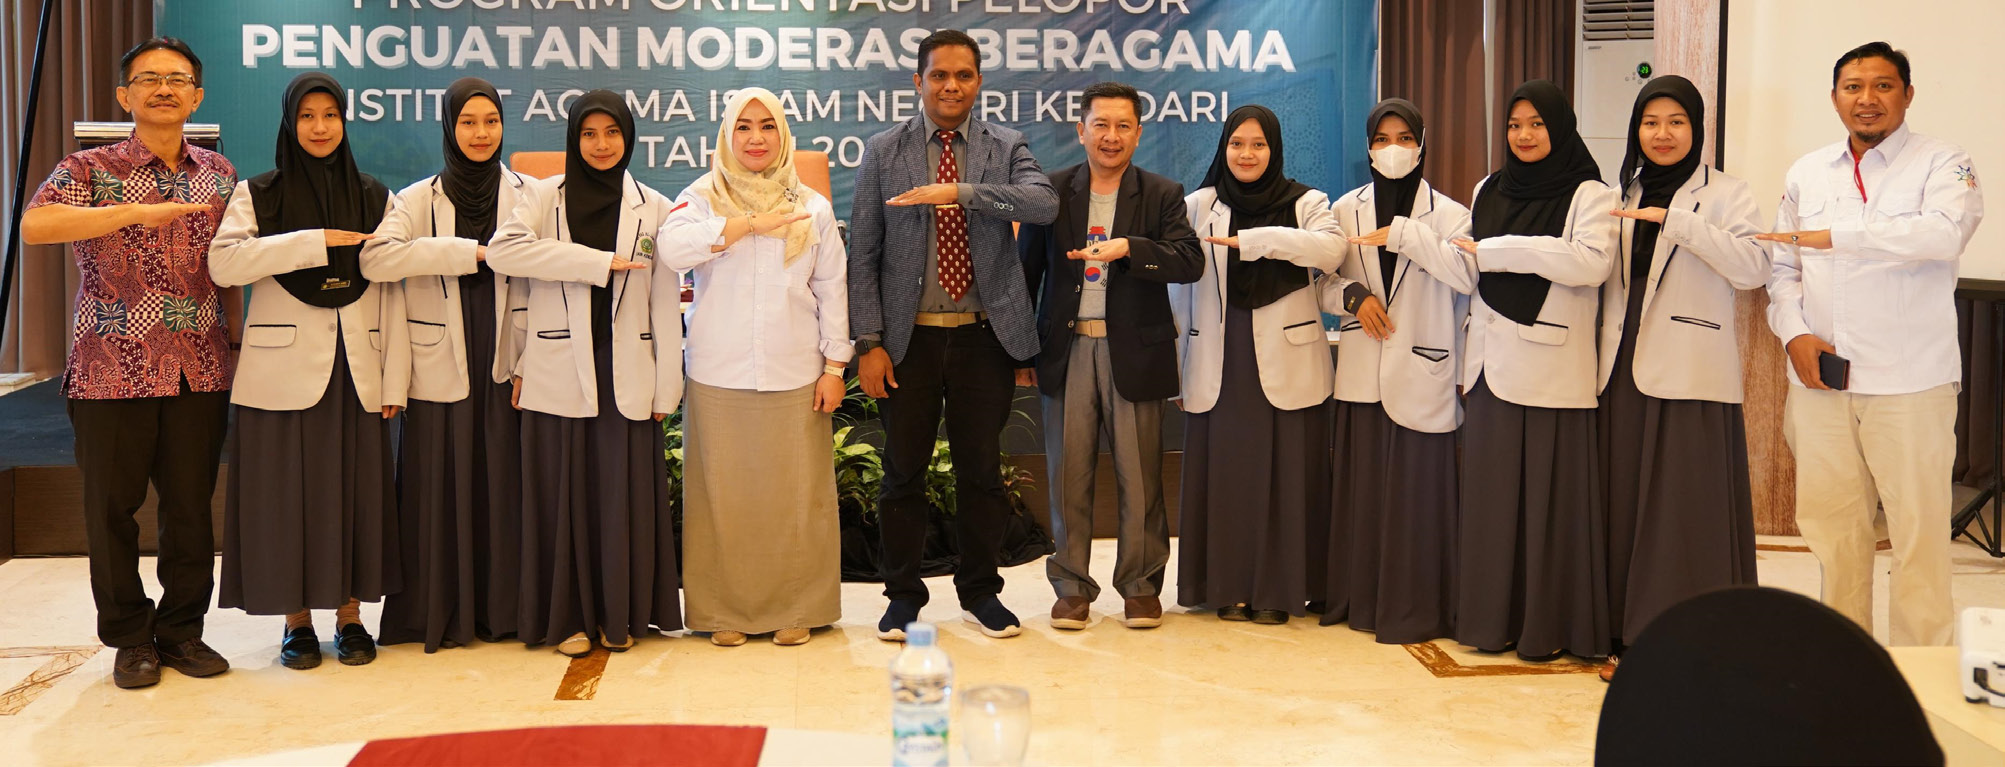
472 186
1393 197
1659 182
592 196
1268 201
304 192
1531 198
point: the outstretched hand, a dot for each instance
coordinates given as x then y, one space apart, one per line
1652 215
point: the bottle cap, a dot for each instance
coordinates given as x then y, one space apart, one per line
919 634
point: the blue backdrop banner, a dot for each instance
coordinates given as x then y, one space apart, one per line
843 68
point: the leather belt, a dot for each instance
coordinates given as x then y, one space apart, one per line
948 319
1089 328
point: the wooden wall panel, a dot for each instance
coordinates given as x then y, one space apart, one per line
1690 36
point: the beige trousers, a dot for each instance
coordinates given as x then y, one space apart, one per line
1855 454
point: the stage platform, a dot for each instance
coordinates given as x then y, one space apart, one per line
41 490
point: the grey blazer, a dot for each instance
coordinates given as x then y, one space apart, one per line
887 245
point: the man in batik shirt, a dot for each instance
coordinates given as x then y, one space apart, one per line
150 358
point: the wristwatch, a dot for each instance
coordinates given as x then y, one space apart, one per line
1354 296
864 345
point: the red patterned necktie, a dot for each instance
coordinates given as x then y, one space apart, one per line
951 225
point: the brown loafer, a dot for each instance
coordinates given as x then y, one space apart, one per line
727 638
1142 612
1608 670
1071 613
791 637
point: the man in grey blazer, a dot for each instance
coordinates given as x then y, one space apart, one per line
943 320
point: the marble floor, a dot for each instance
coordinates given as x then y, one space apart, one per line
1195 691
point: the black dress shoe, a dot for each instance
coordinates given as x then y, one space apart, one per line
1234 613
191 658
136 667
300 650
1270 617
1547 658
353 647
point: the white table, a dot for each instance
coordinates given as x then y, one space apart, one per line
1970 733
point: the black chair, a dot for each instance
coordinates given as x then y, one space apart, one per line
1760 676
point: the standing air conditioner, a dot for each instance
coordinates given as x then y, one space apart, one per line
1615 43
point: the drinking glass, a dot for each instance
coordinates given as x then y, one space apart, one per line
995 725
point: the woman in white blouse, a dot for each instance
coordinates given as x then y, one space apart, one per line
767 341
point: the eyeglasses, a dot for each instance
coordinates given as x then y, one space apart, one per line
150 81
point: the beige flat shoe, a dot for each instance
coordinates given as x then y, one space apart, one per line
727 638
578 646
790 637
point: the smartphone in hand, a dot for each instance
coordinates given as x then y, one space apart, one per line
1835 371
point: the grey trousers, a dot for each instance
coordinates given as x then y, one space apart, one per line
1073 424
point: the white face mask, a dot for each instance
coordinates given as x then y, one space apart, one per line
1395 161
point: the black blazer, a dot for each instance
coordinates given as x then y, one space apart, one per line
1162 249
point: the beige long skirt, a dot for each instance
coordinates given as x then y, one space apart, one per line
761 538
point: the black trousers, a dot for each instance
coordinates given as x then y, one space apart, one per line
175 443
966 370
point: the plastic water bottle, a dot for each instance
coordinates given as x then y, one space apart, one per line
922 691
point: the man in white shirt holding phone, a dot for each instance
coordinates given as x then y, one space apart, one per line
1867 240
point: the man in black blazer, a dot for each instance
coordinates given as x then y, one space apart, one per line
1108 356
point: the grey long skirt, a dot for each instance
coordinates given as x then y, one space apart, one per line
1532 558
1680 507
598 542
1255 517
1392 527
310 514
460 491
759 512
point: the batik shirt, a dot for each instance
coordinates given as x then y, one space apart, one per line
147 313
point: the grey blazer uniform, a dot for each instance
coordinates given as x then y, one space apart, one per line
1550 364
288 353
1688 346
887 245
1414 373
556 364
1288 338
416 245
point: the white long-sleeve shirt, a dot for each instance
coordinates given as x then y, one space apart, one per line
1884 294
756 323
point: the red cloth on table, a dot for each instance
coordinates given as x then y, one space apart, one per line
636 744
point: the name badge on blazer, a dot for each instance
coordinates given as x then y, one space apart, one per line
644 248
